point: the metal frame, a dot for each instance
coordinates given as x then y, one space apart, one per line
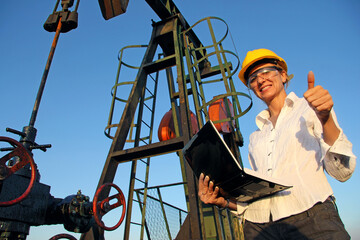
183 50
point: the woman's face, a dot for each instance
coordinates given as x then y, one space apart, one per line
267 83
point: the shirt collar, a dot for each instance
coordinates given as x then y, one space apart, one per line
263 117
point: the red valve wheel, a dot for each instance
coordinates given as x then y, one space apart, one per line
6 171
104 206
63 236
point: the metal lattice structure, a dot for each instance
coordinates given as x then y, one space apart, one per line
190 68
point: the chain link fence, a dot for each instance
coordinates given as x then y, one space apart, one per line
162 220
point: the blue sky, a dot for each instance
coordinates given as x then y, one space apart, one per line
322 36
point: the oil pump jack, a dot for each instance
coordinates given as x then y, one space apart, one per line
189 66
184 54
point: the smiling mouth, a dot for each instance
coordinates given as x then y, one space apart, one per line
265 88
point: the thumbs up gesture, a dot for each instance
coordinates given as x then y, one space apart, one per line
319 99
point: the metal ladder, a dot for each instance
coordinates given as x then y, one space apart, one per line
137 135
134 175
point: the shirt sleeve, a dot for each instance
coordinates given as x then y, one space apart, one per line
240 209
339 161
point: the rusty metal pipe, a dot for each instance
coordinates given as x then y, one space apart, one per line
45 74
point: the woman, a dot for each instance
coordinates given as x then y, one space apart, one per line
297 139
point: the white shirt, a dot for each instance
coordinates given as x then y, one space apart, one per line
294 152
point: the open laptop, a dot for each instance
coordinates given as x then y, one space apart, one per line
208 153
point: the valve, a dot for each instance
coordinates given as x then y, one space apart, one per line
76 210
6 171
102 207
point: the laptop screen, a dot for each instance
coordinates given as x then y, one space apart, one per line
213 158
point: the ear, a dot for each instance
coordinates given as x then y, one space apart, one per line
284 77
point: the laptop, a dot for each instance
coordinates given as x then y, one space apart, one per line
208 153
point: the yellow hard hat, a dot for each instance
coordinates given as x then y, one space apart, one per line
257 55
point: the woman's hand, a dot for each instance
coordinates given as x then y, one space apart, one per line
321 101
208 194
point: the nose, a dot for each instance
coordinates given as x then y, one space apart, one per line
260 80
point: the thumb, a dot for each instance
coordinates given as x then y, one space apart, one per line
311 80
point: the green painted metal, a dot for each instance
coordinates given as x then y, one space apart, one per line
117 86
164 214
197 79
191 61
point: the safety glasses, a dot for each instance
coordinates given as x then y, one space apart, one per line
263 73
